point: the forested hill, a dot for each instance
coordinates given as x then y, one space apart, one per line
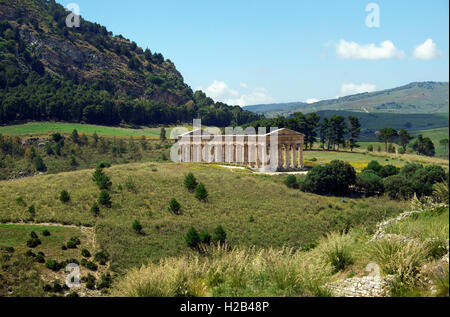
49 71
418 97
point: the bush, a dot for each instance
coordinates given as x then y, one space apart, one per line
334 178
33 242
105 282
64 196
105 199
398 187
219 235
39 164
91 266
137 227
205 237
374 166
89 280
95 210
192 238
103 165
335 250
53 265
71 245
291 181
101 179
40 258
388 170
33 235
370 183
32 210
101 257
370 148
436 249
174 206
46 233
190 182
85 253
201 193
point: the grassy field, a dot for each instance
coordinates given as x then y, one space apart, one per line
254 210
34 129
359 159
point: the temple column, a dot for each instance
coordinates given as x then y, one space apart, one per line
300 156
294 156
285 159
245 153
280 156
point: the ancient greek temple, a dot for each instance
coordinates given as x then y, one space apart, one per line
278 150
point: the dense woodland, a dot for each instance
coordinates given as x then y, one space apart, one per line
29 91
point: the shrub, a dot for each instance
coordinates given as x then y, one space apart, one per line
105 282
374 166
33 235
137 227
205 237
219 235
40 258
71 245
33 242
336 250
73 294
370 148
190 182
32 210
291 181
39 164
201 193
103 165
64 196
192 238
334 178
101 257
85 253
388 170
64 247
89 280
174 206
101 179
370 183
105 199
53 265
398 187
403 260
436 249
91 266
95 209
440 192
46 233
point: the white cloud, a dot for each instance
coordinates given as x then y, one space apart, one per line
353 89
312 100
220 91
257 96
427 50
353 50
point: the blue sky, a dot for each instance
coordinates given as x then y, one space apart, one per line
259 51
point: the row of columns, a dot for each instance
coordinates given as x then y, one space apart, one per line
290 156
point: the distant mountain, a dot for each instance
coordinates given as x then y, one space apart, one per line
418 97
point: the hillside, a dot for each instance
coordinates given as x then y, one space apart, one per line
418 97
373 122
49 71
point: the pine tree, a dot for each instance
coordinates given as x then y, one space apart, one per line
200 192
174 206
190 182
137 226
101 179
192 238
220 235
104 199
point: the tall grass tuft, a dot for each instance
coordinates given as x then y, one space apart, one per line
223 271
